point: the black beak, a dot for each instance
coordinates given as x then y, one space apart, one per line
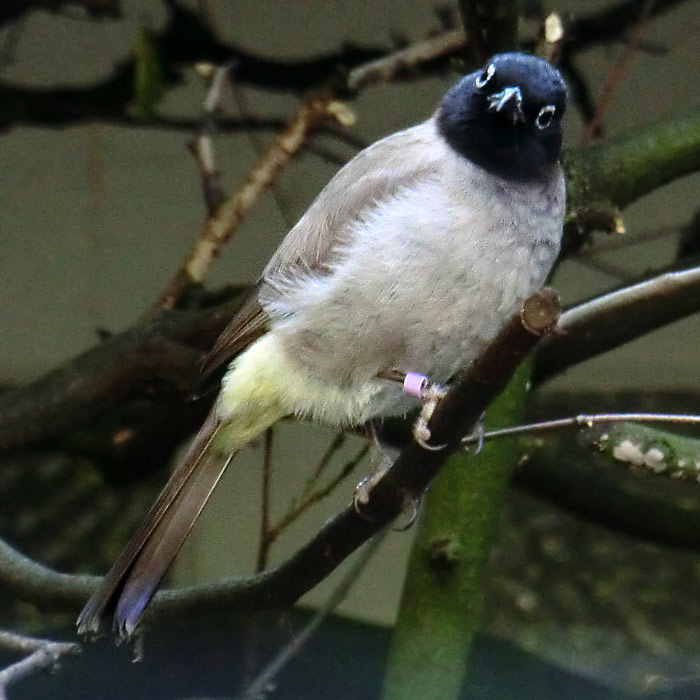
509 102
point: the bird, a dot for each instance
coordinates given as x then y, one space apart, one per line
410 259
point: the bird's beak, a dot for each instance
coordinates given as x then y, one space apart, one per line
509 102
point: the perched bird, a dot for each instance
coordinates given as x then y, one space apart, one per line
411 258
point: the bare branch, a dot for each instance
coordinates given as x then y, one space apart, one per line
616 318
106 100
42 654
164 351
218 228
313 496
405 62
312 112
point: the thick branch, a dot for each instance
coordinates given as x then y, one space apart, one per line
616 318
164 352
564 472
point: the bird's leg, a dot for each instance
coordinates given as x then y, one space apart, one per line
429 394
380 461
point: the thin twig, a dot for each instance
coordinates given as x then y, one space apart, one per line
583 420
338 441
313 111
42 654
258 687
219 228
202 147
616 75
313 497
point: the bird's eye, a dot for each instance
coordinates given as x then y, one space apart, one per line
545 116
486 76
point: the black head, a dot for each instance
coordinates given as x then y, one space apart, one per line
506 117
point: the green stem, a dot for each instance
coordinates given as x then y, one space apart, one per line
441 604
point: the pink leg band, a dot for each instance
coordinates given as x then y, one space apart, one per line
414 383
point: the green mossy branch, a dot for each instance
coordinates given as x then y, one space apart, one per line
648 449
616 486
617 172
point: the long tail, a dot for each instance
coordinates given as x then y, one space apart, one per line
131 582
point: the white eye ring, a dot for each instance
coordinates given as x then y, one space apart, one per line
485 76
545 116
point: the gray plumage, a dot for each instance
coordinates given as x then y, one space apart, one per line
418 268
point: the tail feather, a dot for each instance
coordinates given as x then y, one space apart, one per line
158 553
171 518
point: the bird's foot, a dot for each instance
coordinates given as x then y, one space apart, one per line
430 394
380 462
410 510
476 435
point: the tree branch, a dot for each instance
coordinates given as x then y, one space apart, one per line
41 654
633 166
310 114
595 487
615 173
185 40
616 318
165 351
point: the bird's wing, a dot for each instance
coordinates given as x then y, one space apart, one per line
375 174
